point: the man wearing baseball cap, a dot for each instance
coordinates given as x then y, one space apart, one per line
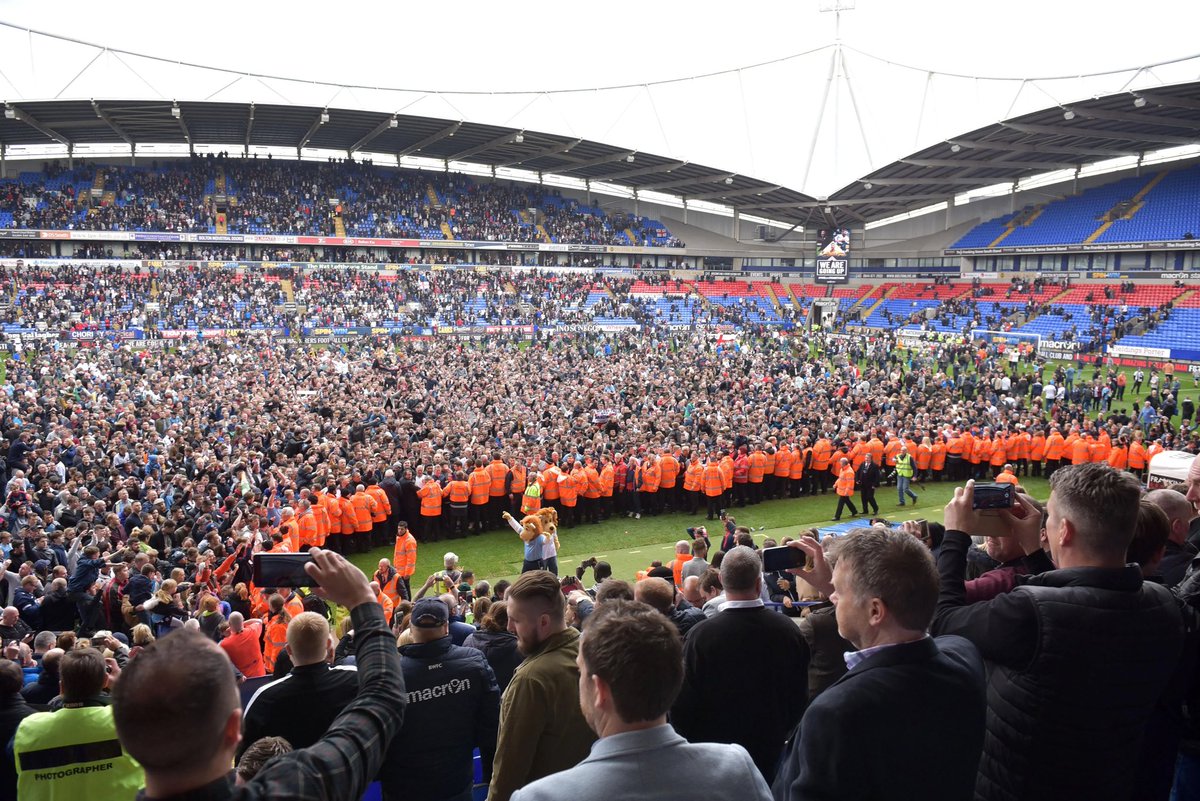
453 708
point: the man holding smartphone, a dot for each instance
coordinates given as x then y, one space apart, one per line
1078 657
883 585
188 675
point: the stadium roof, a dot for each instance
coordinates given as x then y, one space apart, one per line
1128 123
77 122
1066 136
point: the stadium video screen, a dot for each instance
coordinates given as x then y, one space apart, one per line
833 256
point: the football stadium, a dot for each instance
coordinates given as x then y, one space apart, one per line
814 414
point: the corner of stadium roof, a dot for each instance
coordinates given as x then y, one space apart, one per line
1070 136
356 133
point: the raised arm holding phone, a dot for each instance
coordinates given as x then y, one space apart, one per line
186 675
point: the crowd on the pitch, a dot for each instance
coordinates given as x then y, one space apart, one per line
140 485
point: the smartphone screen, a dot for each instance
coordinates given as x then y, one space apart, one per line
782 558
282 570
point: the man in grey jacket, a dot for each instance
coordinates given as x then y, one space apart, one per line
630 670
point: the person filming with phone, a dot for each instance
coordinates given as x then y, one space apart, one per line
1077 656
866 729
187 677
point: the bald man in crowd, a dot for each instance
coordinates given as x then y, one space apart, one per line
1179 552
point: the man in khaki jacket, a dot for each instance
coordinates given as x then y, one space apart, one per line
542 729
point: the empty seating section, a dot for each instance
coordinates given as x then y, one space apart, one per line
1007 292
264 197
1076 218
1168 211
1181 332
1054 326
929 291
891 313
985 233
1148 295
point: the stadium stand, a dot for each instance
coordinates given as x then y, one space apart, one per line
305 198
1148 208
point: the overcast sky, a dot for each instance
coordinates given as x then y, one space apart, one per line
760 122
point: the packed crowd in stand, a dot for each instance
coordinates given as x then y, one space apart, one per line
95 297
265 196
142 486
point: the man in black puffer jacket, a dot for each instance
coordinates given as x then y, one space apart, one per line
1078 656
453 708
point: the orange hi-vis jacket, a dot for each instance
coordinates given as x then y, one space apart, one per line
497 471
1137 455
924 456
363 504
518 484
430 495
651 478
937 459
954 446
758 466
669 470
1037 448
274 641
1098 451
550 484
999 453
348 515
845 482
822 451
1118 457
384 600
383 507
835 462
892 450
857 454
579 476
389 586
693 477
981 452
1081 451
1154 450
593 483
404 557
726 468
607 476
1006 477
291 534
876 449
677 567
769 464
321 515
968 443
333 510
797 471
714 484
1055 445
457 493
568 491
307 524
480 483
1069 445
783 461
